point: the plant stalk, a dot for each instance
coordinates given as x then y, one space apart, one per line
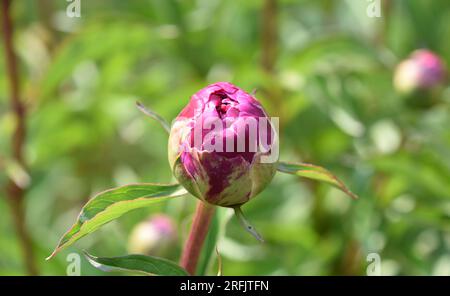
269 55
15 192
269 37
197 235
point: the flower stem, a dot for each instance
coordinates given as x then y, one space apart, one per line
197 235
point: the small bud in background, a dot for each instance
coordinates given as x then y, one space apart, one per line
156 236
423 70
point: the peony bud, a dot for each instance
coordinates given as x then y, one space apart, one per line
156 237
422 70
222 146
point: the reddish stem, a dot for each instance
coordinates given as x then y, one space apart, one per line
197 235
16 193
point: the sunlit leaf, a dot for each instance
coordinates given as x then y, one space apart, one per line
136 263
314 172
111 204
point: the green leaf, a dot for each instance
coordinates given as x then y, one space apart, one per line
138 263
314 172
113 203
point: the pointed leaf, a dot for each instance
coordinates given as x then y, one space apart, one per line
209 244
314 172
219 263
137 263
113 203
246 224
152 114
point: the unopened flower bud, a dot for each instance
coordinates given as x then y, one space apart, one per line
222 146
156 236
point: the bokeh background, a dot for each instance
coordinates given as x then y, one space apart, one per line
323 67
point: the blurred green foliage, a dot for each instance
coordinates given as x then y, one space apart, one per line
330 84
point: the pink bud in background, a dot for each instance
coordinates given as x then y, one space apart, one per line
422 70
156 236
218 146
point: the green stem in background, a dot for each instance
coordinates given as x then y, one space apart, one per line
269 55
15 192
154 116
244 222
199 230
269 36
